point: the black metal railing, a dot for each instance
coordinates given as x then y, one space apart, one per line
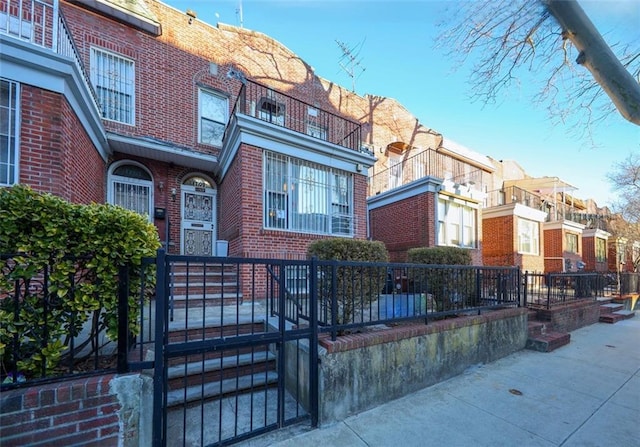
553 289
52 328
352 295
278 108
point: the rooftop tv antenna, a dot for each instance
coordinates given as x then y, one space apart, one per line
350 63
239 14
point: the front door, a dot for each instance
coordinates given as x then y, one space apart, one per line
198 220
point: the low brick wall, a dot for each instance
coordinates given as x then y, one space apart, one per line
572 316
91 411
361 371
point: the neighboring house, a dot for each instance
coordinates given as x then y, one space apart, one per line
427 193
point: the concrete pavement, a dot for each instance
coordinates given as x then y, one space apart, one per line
584 394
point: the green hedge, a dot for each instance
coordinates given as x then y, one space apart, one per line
450 288
82 248
439 256
356 285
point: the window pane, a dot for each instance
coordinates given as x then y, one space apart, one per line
308 197
8 130
113 79
213 118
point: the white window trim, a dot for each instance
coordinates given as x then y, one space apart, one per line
94 81
535 238
111 179
443 223
288 206
210 92
16 133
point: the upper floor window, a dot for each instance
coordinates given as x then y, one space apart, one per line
456 223
131 187
528 237
269 109
9 129
213 110
306 197
571 242
601 250
114 81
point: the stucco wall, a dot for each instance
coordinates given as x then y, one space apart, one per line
361 371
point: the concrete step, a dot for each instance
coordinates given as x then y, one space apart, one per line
213 370
610 307
548 342
614 317
213 390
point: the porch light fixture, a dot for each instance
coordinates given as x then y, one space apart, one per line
173 194
161 186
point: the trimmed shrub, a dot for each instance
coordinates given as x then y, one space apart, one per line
357 284
439 256
449 287
65 264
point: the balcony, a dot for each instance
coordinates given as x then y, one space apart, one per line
428 163
279 109
40 23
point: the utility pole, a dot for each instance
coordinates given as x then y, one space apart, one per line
239 13
349 61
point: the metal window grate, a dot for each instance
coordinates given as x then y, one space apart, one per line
113 79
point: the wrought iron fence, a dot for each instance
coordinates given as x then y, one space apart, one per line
54 323
553 289
350 296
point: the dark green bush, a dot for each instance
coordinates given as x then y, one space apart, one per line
81 247
449 287
439 256
357 284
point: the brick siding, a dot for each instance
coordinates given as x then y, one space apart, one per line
75 412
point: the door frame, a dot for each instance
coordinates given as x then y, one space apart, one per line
185 223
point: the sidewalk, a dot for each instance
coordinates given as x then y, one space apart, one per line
584 394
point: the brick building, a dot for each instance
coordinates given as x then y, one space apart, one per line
138 104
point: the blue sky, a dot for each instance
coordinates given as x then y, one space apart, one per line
395 46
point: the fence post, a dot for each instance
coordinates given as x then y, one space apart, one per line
334 300
159 376
123 318
313 342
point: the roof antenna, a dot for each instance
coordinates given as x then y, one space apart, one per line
350 57
239 13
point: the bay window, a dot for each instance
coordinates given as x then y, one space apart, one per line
306 197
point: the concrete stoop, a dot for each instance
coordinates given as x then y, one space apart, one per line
613 312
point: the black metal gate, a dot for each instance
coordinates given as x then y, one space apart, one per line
228 364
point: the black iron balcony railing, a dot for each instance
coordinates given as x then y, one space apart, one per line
428 163
280 109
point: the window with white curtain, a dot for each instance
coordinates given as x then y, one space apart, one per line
456 223
528 236
306 197
113 79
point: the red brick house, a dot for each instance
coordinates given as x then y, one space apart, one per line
428 195
137 104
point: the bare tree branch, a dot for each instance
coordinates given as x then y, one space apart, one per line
522 41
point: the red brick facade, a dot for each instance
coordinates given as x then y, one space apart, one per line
75 412
405 224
